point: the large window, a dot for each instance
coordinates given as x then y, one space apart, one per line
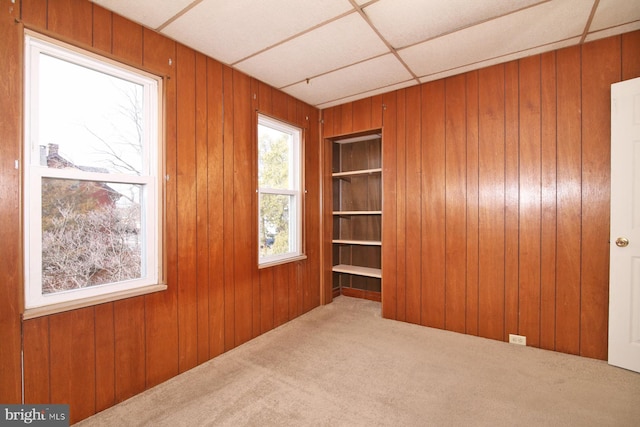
279 191
92 166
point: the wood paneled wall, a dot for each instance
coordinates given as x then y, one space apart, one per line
217 298
496 196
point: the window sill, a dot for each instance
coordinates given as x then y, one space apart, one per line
282 261
32 313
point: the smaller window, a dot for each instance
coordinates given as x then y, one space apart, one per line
279 191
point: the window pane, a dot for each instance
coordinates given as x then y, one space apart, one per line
89 120
90 233
275 219
275 158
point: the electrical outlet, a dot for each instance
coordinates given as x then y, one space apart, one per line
517 339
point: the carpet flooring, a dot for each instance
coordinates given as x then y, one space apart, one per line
343 365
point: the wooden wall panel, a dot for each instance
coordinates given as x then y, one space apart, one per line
569 201
34 13
71 19
186 200
362 113
313 207
36 364
549 204
401 209
127 40
345 121
72 360
244 253
102 29
389 207
413 204
530 201
491 182
433 205
216 209
130 348
630 58
256 296
473 208
455 260
511 199
600 68
266 299
10 250
214 300
105 357
161 309
202 207
280 295
228 214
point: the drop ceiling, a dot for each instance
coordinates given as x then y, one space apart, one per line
327 52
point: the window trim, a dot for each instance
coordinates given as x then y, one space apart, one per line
299 253
152 197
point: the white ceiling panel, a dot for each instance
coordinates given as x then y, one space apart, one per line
611 12
527 29
500 60
422 20
357 79
151 13
348 48
232 30
340 43
613 31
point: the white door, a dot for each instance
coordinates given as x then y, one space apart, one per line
624 276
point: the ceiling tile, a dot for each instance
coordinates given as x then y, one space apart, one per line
534 27
232 30
500 60
151 13
613 31
611 13
421 20
365 76
339 43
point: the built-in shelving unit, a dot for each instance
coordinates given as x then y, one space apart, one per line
357 215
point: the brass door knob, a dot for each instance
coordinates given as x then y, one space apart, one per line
622 242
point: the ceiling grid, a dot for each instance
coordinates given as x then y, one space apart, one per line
327 52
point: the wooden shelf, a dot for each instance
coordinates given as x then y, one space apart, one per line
358 271
355 199
351 213
358 242
356 173
361 138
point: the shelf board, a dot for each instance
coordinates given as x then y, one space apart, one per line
350 213
357 270
358 138
358 242
357 172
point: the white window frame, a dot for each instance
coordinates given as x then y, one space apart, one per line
37 304
295 228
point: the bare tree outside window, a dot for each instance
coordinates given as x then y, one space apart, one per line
89 237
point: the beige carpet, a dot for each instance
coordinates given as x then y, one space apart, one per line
343 365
